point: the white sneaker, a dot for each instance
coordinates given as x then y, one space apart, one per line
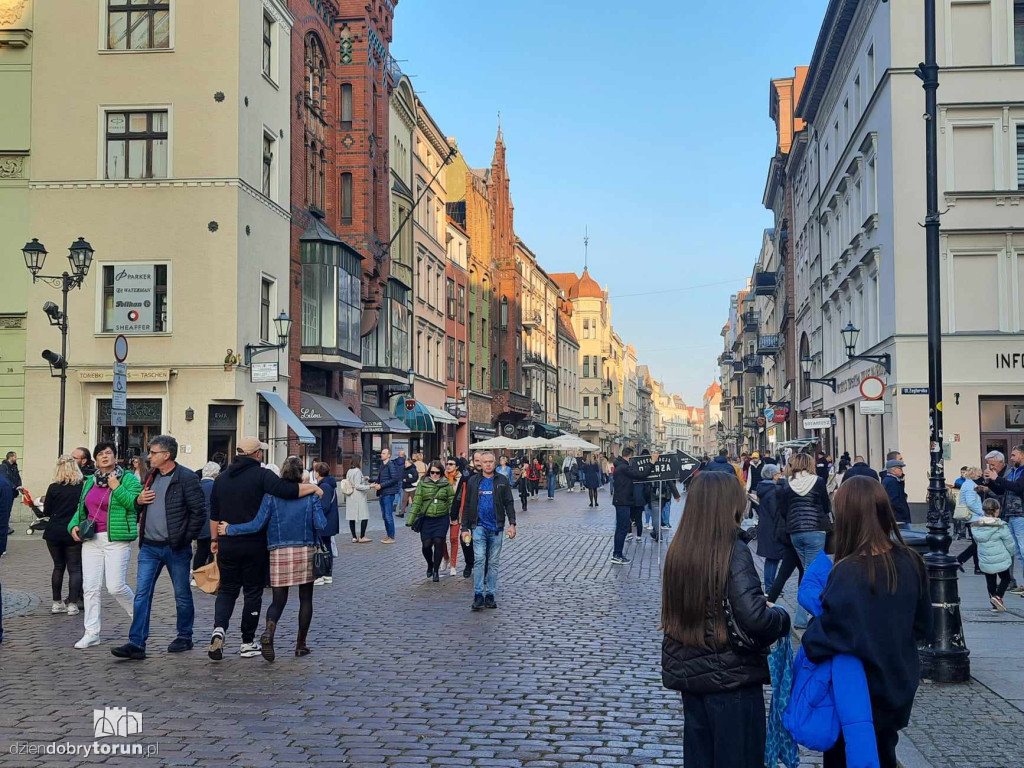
445 563
88 641
248 650
58 607
73 609
328 579
453 571
319 582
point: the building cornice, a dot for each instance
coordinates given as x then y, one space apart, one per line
279 10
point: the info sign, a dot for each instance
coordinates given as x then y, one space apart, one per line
134 298
670 466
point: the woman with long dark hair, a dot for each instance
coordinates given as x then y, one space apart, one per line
433 501
876 607
718 627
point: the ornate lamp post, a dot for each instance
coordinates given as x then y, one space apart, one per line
80 255
283 326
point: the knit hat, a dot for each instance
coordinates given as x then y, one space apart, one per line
769 471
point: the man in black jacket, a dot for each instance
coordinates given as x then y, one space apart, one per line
624 498
860 468
11 471
893 482
172 511
488 505
243 560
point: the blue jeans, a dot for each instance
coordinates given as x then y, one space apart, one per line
666 508
771 570
807 545
486 558
152 560
387 512
551 486
623 517
1016 526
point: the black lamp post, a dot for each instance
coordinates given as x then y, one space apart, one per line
806 363
850 335
80 255
283 326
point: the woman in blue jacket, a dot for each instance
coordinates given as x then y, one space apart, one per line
969 495
294 527
875 607
329 504
591 479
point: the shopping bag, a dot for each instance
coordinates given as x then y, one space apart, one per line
208 577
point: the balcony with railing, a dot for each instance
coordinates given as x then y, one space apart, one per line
764 283
751 320
753 363
737 402
532 320
769 343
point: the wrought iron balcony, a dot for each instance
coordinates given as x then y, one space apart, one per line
769 343
751 320
725 358
738 401
764 283
753 363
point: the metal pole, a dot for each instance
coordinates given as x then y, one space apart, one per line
65 286
944 657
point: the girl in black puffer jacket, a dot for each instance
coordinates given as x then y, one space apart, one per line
718 628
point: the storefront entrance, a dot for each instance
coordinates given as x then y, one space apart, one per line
1002 425
144 420
221 431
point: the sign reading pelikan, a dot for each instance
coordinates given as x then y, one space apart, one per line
134 298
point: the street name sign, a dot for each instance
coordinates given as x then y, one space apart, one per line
822 423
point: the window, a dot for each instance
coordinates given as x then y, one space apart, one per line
586 329
268 165
586 366
504 374
128 320
265 289
462 304
346 198
871 68
346 106
1018 33
450 297
504 312
268 44
462 362
315 63
483 330
331 304
472 327
586 407
856 96
138 25
483 379
1020 156
136 145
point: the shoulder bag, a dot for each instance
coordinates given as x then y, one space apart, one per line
321 555
87 528
961 511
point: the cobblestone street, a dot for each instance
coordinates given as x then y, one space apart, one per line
565 674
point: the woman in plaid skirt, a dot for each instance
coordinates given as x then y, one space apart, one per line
293 528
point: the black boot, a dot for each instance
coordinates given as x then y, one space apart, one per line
267 640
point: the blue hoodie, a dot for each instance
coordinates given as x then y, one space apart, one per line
830 695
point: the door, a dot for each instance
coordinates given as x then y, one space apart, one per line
993 442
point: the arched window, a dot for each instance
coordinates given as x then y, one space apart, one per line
805 351
504 312
504 374
315 72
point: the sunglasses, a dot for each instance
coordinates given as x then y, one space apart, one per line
434 472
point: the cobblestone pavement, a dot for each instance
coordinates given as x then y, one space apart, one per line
565 674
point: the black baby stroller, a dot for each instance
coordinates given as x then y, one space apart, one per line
42 520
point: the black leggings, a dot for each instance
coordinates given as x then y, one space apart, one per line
66 557
971 552
433 552
790 562
592 492
362 528
524 492
999 590
203 554
305 606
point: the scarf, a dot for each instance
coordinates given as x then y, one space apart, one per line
802 482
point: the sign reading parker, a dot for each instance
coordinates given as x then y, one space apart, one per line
134 298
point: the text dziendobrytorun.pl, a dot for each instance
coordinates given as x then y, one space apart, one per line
66 748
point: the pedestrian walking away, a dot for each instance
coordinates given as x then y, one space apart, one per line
591 479
60 505
804 505
551 472
107 504
995 552
243 559
171 511
624 498
859 468
294 527
521 480
389 486
876 607
329 503
357 505
203 552
769 525
6 503
486 509
431 507
719 675
410 479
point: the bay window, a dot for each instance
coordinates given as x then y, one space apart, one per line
331 306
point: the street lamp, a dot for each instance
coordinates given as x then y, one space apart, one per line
850 335
806 362
80 260
283 326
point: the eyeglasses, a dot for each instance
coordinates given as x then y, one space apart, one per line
156 453
435 472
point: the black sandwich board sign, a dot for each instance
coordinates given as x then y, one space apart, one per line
670 466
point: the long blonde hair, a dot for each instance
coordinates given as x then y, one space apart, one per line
67 471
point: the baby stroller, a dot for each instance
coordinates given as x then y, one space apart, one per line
42 520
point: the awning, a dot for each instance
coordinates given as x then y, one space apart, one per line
294 423
319 411
379 420
417 418
440 416
545 430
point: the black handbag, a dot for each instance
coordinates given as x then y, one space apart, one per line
321 560
87 529
738 639
417 524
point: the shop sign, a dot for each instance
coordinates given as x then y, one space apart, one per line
822 423
781 415
872 407
134 296
133 374
1015 360
854 382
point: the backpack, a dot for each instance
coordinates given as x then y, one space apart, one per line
346 487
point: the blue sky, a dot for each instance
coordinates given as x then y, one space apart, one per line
646 122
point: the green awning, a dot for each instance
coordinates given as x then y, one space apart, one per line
417 418
545 430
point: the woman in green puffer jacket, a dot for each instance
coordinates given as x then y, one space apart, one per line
433 501
108 499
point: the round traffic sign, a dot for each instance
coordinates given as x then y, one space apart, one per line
120 348
872 388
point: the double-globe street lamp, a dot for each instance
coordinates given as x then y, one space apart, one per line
80 255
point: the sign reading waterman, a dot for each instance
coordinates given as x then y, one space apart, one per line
134 296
